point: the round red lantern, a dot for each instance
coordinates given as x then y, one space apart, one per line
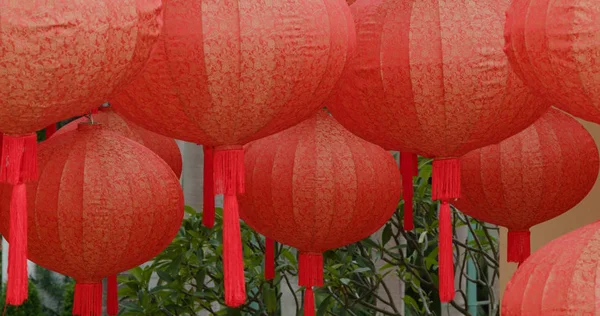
312 186
102 204
553 47
59 59
166 148
529 178
432 79
560 279
226 73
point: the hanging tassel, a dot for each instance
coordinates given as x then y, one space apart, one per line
519 246
235 287
229 180
445 187
88 299
18 164
50 130
208 214
269 259
310 273
309 302
112 295
407 171
16 290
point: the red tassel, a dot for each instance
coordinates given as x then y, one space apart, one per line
88 299
407 171
445 187
310 273
519 246
269 259
415 160
208 215
309 302
229 170
112 295
446 254
29 170
50 130
233 261
16 291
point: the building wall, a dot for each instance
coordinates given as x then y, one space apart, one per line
584 213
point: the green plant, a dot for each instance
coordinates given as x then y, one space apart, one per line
66 307
31 307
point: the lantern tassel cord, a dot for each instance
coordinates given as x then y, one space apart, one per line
407 171
112 296
18 165
269 259
310 274
208 214
50 130
445 187
519 246
229 180
88 299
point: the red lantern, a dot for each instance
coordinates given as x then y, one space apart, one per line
432 79
166 148
529 178
229 72
60 59
560 279
103 204
313 186
553 47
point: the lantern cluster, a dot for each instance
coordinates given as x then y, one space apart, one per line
457 82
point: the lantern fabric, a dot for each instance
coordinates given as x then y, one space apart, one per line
431 78
222 86
59 59
166 148
316 187
552 46
529 178
560 279
103 204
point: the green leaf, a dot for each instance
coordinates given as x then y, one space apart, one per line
361 270
163 275
387 234
345 281
324 306
137 273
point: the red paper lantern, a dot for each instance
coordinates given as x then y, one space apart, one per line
59 59
529 178
553 47
560 279
166 148
229 72
103 204
313 186
430 78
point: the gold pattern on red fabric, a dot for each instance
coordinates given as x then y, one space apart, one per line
103 204
530 177
166 148
431 78
59 59
553 46
317 187
226 72
560 279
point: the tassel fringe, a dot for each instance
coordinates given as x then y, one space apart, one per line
112 295
446 254
309 302
16 290
233 261
445 179
88 299
407 171
229 170
269 259
310 273
208 214
519 246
